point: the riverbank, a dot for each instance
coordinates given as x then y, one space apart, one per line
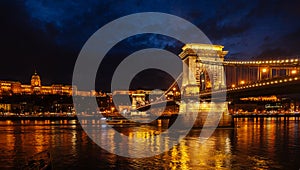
161 117
38 118
264 115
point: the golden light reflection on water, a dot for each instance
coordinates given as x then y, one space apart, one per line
256 143
203 155
9 140
215 152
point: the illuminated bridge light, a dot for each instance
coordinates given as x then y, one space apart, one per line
285 80
282 61
280 81
278 61
296 78
256 84
267 62
276 81
264 84
296 60
268 83
272 82
286 61
264 70
292 60
259 84
290 79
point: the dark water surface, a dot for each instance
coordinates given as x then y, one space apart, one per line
267 143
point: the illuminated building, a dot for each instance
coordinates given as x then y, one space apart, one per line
26 89
5 107
35 87
36 83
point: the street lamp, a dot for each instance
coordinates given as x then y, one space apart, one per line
112 109
263 73
264 70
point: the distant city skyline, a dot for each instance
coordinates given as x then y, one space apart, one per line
35 87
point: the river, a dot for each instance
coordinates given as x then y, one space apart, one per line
263 143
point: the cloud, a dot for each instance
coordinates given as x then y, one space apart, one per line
51 33
285 46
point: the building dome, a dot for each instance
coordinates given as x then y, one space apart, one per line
35 80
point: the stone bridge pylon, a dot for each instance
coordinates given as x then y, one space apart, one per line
203 71
205 68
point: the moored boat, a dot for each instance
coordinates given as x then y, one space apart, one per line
39 161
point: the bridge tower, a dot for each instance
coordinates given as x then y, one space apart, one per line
205 70
204 73
138 99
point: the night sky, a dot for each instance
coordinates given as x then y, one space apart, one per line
48 35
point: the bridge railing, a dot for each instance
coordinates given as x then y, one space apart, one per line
286 60
276 80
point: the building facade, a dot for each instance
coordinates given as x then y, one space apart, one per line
35 87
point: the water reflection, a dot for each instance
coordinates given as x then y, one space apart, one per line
268 143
